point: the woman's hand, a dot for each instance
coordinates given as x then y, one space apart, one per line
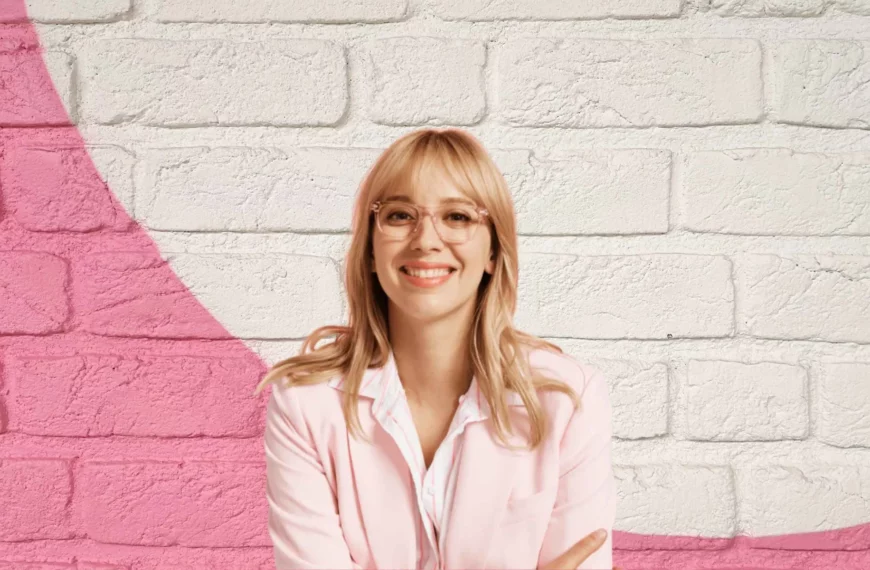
574 556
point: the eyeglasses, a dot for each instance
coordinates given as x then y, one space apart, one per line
454 223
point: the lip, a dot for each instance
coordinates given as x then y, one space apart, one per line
426 265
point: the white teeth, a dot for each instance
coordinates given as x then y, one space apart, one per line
426 273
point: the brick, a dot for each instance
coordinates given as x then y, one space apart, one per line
86 554
575 192
55 12
249 189
285 296
821 297
191 503
57 188
418 80
660 499
787 8
136 295
778 499
860 7
273 351
37 509
639 396
821 83
33 296
37 565
323 11
95 395
757 8
643 296
197 296
620 83
213 82
776 192
481 10
844 404
33 85
737 401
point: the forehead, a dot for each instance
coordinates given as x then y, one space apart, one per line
444 201
428 184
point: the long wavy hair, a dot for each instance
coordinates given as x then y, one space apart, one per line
495 343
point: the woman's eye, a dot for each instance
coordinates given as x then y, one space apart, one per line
397 215
460 217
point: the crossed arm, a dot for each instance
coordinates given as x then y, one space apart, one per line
303 516
586 499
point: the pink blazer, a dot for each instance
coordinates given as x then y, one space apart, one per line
338 502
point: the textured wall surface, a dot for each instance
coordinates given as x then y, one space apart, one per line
692 183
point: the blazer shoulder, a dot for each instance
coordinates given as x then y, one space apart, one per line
309 405
562 366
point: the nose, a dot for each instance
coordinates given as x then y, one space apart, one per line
426 235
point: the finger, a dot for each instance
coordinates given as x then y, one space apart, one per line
578 553
575 555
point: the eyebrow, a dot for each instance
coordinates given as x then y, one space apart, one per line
403 198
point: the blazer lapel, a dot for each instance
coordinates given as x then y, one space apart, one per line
384 487
386 495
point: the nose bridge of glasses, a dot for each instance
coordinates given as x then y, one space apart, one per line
428 213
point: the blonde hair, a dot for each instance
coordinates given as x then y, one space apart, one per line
495 345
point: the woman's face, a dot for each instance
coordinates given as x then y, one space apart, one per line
469 260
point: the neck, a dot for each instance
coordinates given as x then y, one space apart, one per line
432 357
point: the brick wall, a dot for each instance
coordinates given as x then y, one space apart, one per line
692 184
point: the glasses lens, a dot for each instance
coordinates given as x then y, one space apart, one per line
456 223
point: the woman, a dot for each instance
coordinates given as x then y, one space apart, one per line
482 446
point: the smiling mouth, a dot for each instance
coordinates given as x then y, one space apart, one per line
428 273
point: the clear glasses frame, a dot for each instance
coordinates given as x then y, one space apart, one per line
482 212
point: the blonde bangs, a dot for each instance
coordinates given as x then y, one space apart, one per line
432 156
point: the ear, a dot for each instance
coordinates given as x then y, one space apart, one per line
490 265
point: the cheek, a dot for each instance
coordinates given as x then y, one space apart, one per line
384 256
473 260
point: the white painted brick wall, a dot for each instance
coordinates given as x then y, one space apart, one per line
213 82
791 8
776 192
696 498
692 184
809 74
479 10
601 296
561 192
616 83
844 398
770 401
418 80
332 11
249 188
62 12
821 297
770 495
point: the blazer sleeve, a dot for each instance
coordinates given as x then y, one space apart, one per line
586 497
303 515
